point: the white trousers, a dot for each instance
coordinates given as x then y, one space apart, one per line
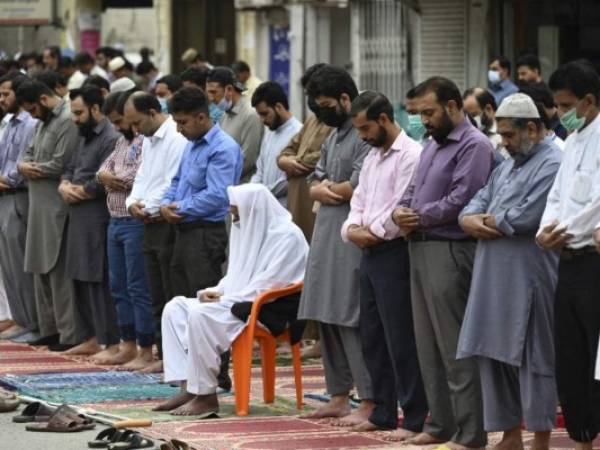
194 336
4 309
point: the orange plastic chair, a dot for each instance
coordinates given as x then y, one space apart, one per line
242 354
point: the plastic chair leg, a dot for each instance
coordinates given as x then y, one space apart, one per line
267 348
297 362
242 367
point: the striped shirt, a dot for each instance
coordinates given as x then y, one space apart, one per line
123 162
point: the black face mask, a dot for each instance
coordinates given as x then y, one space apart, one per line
333 116
313 106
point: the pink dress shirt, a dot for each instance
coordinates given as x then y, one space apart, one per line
383 179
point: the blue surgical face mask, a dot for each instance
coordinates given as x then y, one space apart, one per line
215 112
164 104
494 76
224 105
416 129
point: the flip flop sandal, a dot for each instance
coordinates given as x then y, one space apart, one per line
106 437
35 412
9 404
133 441
175 444
64 420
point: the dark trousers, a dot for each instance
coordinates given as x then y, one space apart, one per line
97 311
129 282
198 256
388 339
577 326
158 249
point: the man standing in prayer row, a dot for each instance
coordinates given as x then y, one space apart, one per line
161 155
267 251
88 221
127 275
42 165
331 292
508 323
454 165
386 327
271 104
239 120
14 205
571 216
298 160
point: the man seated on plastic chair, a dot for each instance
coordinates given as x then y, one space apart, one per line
266 251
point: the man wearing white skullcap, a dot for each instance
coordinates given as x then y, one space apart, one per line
508 323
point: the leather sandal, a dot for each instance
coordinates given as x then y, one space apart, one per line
132 441
105 437
64 420
35 412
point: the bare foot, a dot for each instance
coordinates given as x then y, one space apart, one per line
175 402
541 440
6 324
312 352
14 328
511 440
424 439
367 426
106 353
199 404
126 352
400 435
584 446
155 367
142 360
87 348
337 407
357 417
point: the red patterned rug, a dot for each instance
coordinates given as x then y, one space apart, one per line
21 359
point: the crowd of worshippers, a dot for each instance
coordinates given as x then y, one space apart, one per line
450 267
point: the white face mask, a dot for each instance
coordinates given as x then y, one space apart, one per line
494 76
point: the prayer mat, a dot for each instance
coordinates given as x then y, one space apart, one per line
17 359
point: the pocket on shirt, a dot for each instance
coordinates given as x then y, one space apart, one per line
197 176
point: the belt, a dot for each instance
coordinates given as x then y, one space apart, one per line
11 191
417 236
187 226
569 253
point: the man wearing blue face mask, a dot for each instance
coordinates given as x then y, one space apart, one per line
239 120
571 216
165 88
499 79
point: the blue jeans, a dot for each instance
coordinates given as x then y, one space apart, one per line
129 282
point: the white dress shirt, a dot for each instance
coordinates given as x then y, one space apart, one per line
267 170
574 199
161 155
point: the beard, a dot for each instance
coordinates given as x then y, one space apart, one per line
128 134
87 129
379 141
333 116
441 132
44 113
486 122
277 121
524 150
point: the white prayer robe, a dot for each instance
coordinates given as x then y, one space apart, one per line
267 250
4 309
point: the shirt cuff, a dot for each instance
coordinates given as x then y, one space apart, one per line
503 225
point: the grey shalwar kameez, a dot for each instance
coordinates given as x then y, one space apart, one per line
331 285
508 322
86 236
55 141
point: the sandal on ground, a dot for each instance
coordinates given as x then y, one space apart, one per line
64 420
9 403
35 412
175 444
105 437
132 441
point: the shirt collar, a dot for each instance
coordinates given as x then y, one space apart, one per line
21 116
161 132
60 106
101 126
209 137
238 106
459 131
587 131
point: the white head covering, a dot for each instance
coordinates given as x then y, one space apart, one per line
518 106
121 85
116 63
266 249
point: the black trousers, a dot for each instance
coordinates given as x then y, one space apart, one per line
158 249
198 254
197 257
577 326
97 311
388 339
